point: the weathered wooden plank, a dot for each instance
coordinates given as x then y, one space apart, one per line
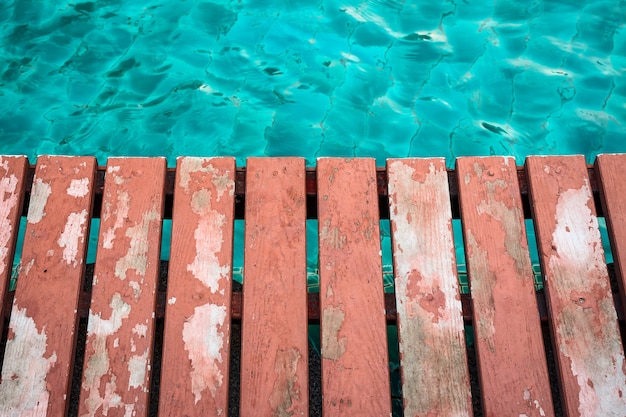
12 182
194 371
610 169
39 357
120 329
274 353
511 357
355 373
583 318
430 324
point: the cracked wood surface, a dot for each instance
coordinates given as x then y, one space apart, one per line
39 356
274 350
428 302
118 351
355 373
513 371
584 324
194 372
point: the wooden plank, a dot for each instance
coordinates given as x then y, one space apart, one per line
12 182
355 373
430 324
583 318
39 357
274 352
610 169
194 372
120 329
511 357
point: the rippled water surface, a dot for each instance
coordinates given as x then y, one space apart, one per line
313 78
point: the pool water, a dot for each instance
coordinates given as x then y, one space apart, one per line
376 78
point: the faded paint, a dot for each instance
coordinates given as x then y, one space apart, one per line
24 384
38 200
333 346
137 256
206 266
78 188
586 327
98 363
286 390
221 181
332 235
121 214
8 186
73 235
429 311
204 334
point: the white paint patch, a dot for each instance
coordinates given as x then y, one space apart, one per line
73 235
137 255
206 266
172 301
38 199
140 330
137 369
79 188
136 289
121 214
8 186
25 369
203 334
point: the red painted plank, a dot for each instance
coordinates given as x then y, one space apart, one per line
12 182
355 373
274 353
513 371
430 323
194 372
120 329
610 169
583 318
39 355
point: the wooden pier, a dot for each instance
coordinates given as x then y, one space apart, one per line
203 196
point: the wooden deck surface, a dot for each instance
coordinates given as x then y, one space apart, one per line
346 196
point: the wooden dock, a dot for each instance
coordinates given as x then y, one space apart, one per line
275 196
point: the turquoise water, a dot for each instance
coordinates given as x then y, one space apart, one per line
375 78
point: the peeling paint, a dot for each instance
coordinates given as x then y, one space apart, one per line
222 181
205 333
137 256
121 214
332 235
286 390
78 188
8 185
137 369
206 266
38 200
73 235
98 362
24 381
333 346
587 333
171 301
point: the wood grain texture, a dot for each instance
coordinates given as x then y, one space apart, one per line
12 182
513 371
583 319
274 352
355 373
194 371
430 323
39 357
610 169
121 317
